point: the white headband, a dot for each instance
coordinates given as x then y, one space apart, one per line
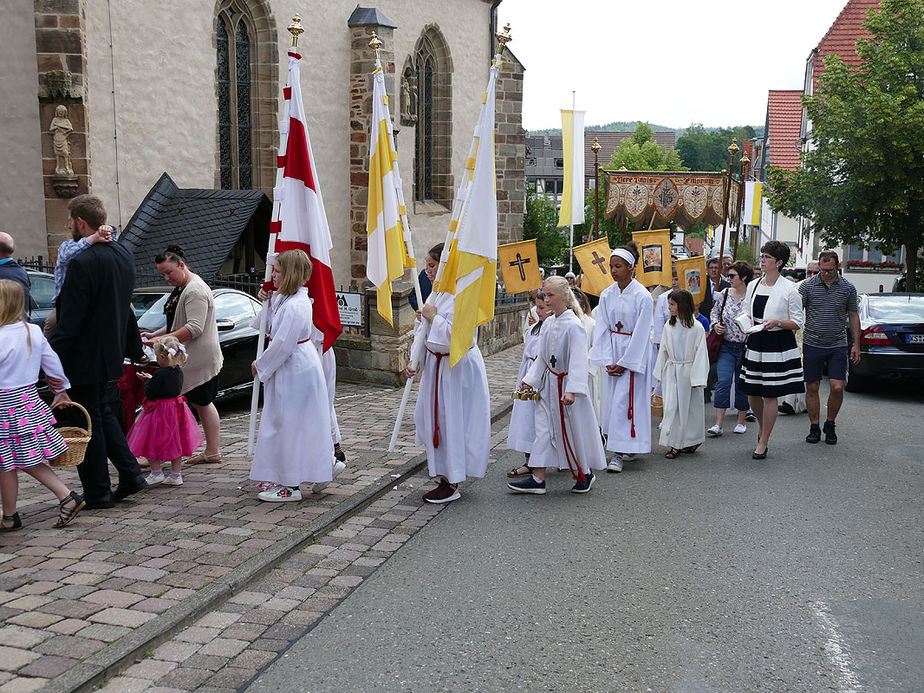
625 255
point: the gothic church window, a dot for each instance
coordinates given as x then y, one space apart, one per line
433 180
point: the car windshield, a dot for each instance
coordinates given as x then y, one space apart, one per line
43 290
153 317
897 308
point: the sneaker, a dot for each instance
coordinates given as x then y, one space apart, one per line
786 409
830 435
615 465
280 494
173 479
528 485
627 457
338 467
750 416
339 453
814 435
155 478
715 431
443 493
583 486
741 428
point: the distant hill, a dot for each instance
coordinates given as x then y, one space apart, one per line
629 126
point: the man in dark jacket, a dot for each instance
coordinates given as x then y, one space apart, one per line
10 269
96 330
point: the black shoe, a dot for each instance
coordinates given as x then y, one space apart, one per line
814 435
786 409
100 504
14 521
830 435
124 490
760 455
584 486
339 454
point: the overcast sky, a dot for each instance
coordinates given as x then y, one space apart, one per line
669 62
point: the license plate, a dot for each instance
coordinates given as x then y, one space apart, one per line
914 338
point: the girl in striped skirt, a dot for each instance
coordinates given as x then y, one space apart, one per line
27 437
771 366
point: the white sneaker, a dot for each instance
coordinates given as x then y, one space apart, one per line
741 428
338 467
173 480
715 431
155 478
615 464
280 494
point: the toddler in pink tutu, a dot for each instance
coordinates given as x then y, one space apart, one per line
165 429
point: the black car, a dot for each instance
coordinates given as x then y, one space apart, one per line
233 312
42 291
891 339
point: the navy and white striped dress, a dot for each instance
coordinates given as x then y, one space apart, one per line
771 365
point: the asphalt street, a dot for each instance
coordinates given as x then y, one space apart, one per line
712 572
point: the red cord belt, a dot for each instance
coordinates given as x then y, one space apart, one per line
631 413
570 457
436 397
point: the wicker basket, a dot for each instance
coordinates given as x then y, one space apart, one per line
77 441
657 406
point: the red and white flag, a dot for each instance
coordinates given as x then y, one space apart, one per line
302 223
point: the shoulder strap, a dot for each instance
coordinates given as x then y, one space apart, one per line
722 309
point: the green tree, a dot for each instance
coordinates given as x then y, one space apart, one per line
703 149
863 182
541 222
641 153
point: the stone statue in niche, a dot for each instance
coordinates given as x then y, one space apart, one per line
61 130
408 98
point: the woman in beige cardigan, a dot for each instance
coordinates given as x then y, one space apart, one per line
190 312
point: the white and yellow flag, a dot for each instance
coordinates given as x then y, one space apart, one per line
387 254
468 269
572 142
753 193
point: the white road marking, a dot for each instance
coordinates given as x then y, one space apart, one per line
836 649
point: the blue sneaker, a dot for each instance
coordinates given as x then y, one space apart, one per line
528 485
584 486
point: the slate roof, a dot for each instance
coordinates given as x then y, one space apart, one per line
205 223
842 37
546 149
609 143
783 131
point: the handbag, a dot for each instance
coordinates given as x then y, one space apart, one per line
715 340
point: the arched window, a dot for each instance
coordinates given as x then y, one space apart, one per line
432 66
246 81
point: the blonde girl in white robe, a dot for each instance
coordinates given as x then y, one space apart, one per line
522 429
294 443
622 345
682 368
453 411
567 434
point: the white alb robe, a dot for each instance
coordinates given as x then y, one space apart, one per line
623 338
329 364
294 443
564 339
595 379
662 313
464 411
682 368
522 429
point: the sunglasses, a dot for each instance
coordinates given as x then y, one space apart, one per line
731 275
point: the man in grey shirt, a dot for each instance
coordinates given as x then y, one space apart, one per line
829 301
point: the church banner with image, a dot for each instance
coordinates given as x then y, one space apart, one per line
594 259
691 273
519 263
657 198
654 263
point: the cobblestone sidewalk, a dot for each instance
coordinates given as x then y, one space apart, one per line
87 599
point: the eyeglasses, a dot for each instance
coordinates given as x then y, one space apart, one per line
828 271
764 256
809 273
731 275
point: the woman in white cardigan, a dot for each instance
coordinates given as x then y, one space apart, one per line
771 366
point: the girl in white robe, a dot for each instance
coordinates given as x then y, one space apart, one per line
522 429
567 434
329 365
453 411
622 345
294 444
682 368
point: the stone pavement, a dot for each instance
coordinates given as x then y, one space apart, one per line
224 581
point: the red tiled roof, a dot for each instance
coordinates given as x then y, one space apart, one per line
784 120
747 147
842 37
609 143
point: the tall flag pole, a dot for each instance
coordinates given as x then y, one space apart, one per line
389 245
298 220
571 211
468 264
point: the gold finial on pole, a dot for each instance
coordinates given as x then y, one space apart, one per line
595 147
295 28
375 44
503 38
733 147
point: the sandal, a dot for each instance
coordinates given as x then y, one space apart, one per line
15 523
202 458
518 472
690 450
674 453
65 515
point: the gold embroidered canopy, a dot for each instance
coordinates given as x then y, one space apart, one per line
682 197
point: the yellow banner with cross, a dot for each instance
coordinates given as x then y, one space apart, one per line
519 264
594 259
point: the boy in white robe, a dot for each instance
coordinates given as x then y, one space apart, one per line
682 368
567 434
453 411
622 345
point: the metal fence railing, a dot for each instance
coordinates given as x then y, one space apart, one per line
248 283
37 263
